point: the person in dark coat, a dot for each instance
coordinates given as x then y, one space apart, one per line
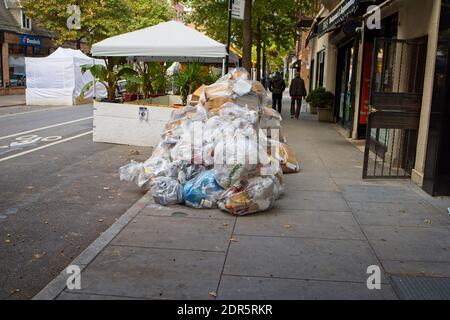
297 92
277 86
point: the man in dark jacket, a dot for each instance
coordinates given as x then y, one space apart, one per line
277 86
297 92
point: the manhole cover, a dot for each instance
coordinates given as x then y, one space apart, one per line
179 214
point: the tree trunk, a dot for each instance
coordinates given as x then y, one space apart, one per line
264 63
258 51
247 36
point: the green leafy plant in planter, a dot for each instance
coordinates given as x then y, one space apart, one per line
132 91
151 78
158 78
189 79
321 100
109 75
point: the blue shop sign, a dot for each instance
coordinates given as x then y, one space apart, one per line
27 40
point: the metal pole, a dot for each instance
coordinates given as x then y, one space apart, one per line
227 58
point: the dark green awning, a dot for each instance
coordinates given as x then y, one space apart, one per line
340 14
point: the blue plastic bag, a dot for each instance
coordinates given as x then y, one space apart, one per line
203 191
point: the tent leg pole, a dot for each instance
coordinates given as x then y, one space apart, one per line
223 67
95 92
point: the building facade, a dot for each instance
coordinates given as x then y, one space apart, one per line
387 64
20 37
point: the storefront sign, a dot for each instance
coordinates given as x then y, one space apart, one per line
339 15
26 40
238 9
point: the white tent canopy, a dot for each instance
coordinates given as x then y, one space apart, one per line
167 41
57 79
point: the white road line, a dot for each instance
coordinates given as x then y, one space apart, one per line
44 128
19 113
46 146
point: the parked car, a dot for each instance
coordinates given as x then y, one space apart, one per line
18 80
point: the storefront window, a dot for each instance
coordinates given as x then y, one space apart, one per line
41 51
17 54
16 61
320 68
1 69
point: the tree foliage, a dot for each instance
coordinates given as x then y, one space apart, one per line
277 21
99 18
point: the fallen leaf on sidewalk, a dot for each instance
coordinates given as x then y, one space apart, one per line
213 294
133 152
106 188
7 241
100 220
225 224
428 221
233 240
39 255
287 226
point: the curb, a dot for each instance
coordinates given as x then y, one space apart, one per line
58 284
12 105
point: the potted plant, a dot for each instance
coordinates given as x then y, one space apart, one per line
109 75
321 102
132 92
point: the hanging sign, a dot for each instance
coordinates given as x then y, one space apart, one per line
238 9
339 15
27 40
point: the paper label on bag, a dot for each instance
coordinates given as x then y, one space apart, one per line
206 204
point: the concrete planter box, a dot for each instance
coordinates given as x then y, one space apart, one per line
123 124
325 114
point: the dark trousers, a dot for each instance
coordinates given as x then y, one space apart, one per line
277 100
296 111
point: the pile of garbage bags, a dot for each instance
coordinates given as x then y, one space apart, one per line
224 150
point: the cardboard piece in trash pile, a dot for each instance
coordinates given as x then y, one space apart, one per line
286 155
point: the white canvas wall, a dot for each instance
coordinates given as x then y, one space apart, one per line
57 79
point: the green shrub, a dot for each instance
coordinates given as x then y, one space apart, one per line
320 98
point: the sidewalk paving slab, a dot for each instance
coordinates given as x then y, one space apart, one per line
12 100
401 214
148 273
300 224
176 233
241 288
300 258
410 243
312 200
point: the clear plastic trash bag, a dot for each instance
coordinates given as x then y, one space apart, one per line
255 195
184 171
167 191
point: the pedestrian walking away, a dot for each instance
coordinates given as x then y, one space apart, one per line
297 91
277 87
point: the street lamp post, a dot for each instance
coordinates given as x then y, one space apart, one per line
227 58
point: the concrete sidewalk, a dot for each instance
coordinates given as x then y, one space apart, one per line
316 244
12 100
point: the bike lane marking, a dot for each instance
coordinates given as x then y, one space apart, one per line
44 128
45 146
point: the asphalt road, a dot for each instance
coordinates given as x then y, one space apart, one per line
58 192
